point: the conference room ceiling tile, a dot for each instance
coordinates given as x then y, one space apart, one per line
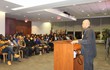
77 8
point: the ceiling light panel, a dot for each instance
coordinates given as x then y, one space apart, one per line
31 3
55 11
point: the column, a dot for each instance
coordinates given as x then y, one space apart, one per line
2 23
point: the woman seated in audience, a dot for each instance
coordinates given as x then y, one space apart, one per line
38 40
22 45
16 47
13 44
36 46
45 45
5 49
38 43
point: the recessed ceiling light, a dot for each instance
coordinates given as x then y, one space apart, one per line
38 14
88 15
100 1
82 11
7 6
103 9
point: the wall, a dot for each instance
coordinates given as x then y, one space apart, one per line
41 27
2 23
13 26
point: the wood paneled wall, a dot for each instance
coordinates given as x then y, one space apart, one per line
12 26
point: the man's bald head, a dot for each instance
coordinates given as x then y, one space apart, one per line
85 24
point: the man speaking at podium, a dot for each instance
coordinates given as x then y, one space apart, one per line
88 45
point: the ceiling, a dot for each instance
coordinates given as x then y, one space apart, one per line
77 8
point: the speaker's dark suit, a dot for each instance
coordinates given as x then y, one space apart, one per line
88 49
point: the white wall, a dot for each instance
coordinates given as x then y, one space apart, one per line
41 27
2 23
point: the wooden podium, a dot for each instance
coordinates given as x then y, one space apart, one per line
64 56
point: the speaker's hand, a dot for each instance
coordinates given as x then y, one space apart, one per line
74 41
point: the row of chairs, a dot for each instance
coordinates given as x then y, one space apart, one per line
6 54
21 53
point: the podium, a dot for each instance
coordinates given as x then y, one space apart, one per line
64 56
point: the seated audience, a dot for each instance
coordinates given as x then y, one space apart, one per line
5 49
29 44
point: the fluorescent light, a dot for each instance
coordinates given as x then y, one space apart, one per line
31 3
55 11
19 8
34 11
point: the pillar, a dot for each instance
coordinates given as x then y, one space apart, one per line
2 23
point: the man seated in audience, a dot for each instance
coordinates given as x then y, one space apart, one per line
30 44
51 45
55 37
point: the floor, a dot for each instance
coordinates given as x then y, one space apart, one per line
45 62
100 63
